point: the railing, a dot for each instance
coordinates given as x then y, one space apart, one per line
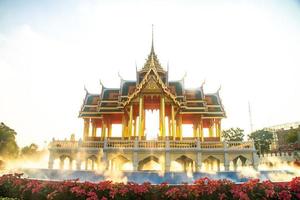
212 145
92 144
184 144
64 144
119 144
151 144
240 145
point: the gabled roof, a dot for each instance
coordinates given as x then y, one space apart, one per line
139 88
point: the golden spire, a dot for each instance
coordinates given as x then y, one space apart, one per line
152 45
152 61
152 64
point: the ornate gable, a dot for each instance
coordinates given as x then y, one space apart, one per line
151 83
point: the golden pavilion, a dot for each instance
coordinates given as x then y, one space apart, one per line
151 123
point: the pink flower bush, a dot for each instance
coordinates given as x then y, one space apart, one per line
203 189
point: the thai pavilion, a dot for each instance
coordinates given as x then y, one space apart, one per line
160 125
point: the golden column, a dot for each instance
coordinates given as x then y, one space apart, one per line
143 122
218 128
201 130
163 121
211 128
109 128
130 121
103 129
179 127
86 128
94 128
134 127
173 122
140 116
123 126
195 129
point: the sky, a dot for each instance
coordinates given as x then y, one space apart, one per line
51 49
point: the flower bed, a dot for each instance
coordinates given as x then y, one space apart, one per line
14 186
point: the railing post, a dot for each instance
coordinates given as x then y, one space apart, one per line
167 144
105 144
136 143
198 144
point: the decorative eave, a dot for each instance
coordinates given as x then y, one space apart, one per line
219 102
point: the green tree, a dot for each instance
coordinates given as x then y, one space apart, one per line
233 134
8 144
30 150
291 136
262 140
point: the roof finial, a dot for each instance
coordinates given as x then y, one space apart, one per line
203 82
101 83
218 91
119 75
86 91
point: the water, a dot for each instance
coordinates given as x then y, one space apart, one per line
148 176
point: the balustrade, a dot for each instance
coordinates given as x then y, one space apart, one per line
149 144
92 144
185 144
212 145
120 144
240 145
64 144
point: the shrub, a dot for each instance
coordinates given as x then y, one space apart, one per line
14 186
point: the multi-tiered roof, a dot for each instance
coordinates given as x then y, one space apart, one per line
152 75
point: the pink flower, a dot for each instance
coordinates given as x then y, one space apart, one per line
284 195
222 196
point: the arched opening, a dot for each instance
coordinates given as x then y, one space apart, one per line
186 163
120 163
211 164
151 163
239 162
65 162
91 163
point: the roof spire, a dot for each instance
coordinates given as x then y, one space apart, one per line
152 44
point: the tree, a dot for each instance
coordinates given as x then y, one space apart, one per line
30 150
291 136
233 134
8 144
262 140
